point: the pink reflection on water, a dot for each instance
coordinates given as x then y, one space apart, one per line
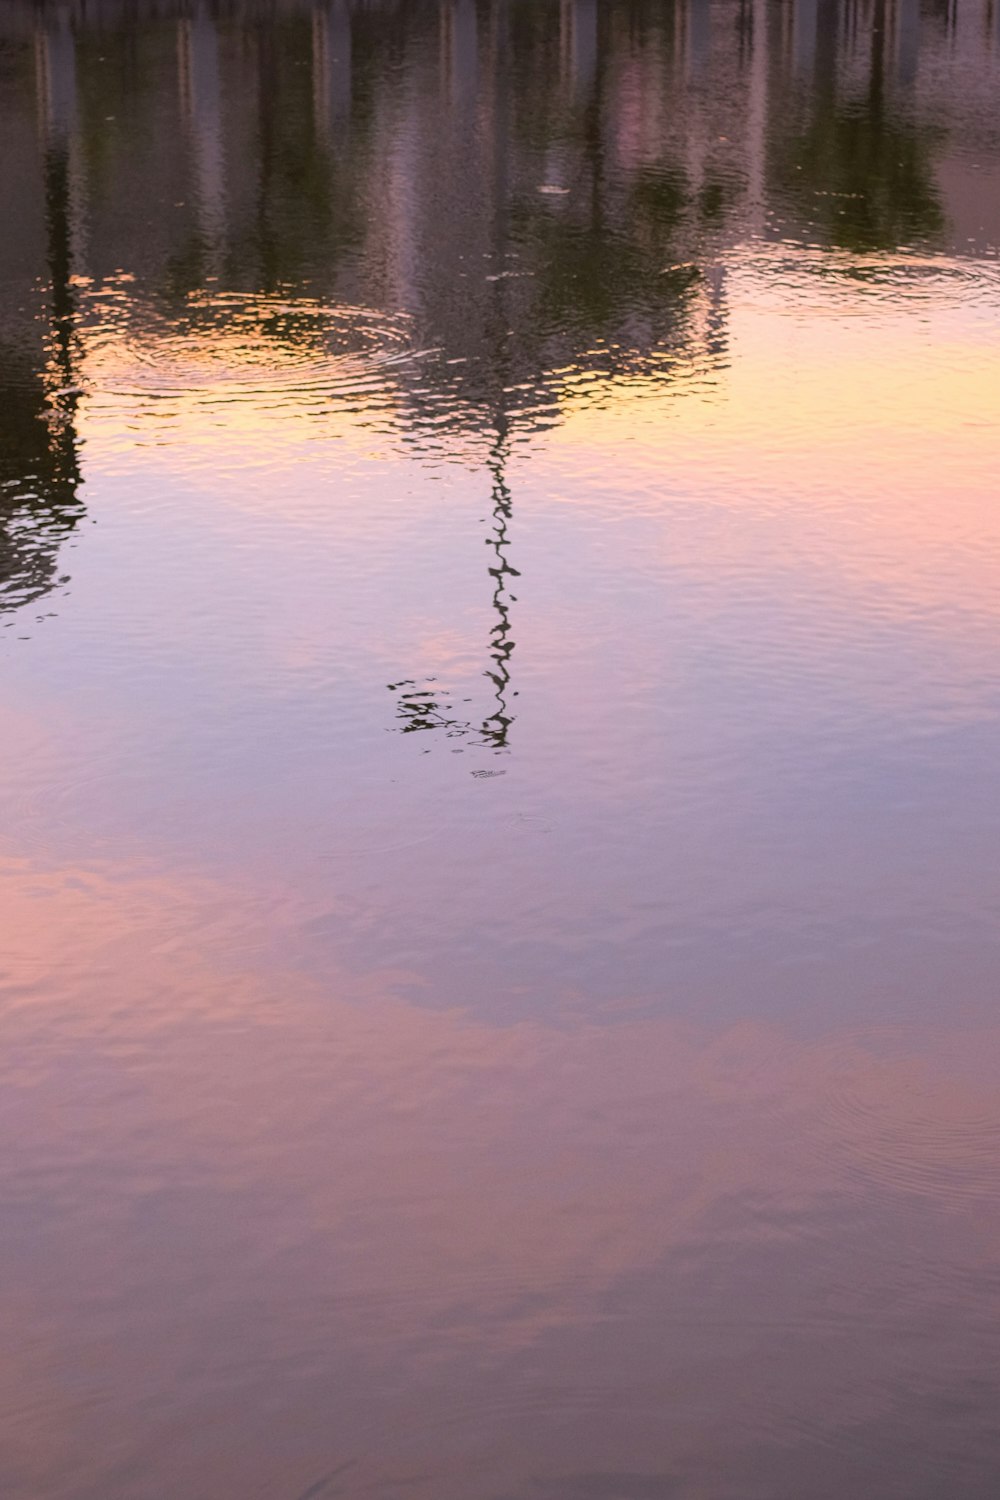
404 1212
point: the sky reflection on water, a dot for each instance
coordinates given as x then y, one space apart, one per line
499 562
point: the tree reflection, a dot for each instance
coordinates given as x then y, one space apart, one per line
39 464
598 162
497 725
862 167
423 707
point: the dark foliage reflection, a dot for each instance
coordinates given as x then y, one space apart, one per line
547 191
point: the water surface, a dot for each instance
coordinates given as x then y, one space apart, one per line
500 653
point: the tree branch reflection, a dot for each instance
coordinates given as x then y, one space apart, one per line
422 707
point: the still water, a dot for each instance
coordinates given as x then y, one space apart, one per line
500 660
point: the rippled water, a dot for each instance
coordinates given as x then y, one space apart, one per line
500 841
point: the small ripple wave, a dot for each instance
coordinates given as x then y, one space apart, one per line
913 1114
243 346
912 1111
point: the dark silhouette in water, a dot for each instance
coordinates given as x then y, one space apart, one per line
496 727
423 707
39 464
618 266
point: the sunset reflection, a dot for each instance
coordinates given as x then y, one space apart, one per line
485 1236
498 576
